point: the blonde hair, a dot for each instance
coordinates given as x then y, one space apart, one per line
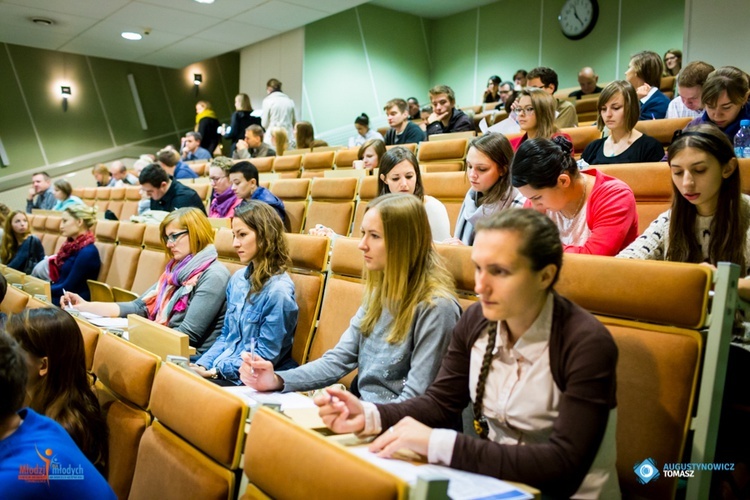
281 139
414 272
10 242
272 257
544 110
83 213
199 229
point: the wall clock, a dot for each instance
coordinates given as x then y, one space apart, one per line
578 17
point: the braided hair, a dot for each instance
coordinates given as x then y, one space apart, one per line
480 423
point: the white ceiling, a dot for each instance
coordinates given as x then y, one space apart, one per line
181 32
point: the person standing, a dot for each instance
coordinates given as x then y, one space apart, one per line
278 111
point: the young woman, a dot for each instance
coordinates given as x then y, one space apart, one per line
304 135
538 369
58 385
78 260
672 62
20 250
535 109
400 332
709 219
491 93
619 110
488 169
207 125
261 308
364 133
223 199
595 213
241 119
725 100
279 140
189 295
370 153
63 192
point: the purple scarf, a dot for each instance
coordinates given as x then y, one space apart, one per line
223 204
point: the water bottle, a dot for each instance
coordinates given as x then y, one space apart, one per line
742 140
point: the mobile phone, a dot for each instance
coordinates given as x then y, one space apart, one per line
180 361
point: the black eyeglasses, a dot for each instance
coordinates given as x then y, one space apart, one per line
172 238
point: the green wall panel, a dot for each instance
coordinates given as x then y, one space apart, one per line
16 130
453 43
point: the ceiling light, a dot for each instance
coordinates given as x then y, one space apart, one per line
42 21
205 1
130 35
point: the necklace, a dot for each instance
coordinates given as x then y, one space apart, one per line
625 140
580 203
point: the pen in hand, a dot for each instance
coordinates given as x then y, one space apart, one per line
253 341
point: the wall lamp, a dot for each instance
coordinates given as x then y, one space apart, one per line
197 80
65 93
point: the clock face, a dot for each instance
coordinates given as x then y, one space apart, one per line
578 17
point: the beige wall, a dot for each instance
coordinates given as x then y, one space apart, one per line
715 32
280 57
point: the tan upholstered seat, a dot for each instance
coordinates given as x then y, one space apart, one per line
51 234
322 468
457 259
198 166
745 174
582 136
227 253
450 188
451 151
342 297
662 130
345 157
130 207
318 162
452 135
288 166
103 195
331 204
125 256
309 259
89 196
294 193
263 164
37 287
151 262
412 146
203 190
90 334
125 375
188 453
14 302
38 224
367 191
651 184
116 200
587 110
106 236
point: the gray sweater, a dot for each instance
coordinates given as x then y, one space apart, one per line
388 373
204 316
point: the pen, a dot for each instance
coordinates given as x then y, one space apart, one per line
64 293
253 341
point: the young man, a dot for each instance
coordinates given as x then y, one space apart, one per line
278 111
192 149
38 459
244 178
445 118
253 145
402 130
546 79
165 193
690 86
40 195
588 80
169 159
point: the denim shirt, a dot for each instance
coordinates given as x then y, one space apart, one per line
270 316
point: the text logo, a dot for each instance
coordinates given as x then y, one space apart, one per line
646 471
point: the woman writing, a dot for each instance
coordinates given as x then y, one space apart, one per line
405 319
364 133
58 385
78 260
261 308
619 110
488 169
725 100
538 370
535 109
63 192
189 295
20 250
223 199
595 213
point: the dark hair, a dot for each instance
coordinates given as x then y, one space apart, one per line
247 169
678 54
43 174
64 186
522 72
495 79
153 174
648 67
539 162
3 288
13 376
730 223
168 156
413 99
729 79
631 104
548 76
255 129
498 149
390 159
363 120
195 135
304 135
541 245
64 394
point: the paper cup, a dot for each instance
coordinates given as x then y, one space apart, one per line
359 164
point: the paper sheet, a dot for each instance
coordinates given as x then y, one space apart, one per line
109 322
289 400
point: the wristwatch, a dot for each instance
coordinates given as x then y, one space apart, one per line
215 374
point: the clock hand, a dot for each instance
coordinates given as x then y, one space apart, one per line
575 13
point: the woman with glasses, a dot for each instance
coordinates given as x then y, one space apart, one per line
595 213
189 295
223 199
619 110
672 62
535 111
